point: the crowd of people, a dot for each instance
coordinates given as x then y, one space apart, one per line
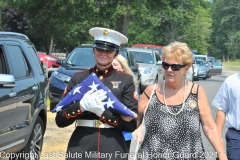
172 110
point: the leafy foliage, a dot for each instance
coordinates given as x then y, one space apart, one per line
144 21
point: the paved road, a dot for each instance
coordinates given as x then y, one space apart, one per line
211 86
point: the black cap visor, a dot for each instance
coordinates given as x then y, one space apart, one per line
105 45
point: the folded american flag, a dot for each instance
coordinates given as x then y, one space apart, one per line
92 82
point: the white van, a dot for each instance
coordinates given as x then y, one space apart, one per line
202 57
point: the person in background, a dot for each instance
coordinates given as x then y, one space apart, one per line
98 132
120 64
227 102
176 111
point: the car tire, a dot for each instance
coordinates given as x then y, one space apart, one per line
35 142
209 75
197 78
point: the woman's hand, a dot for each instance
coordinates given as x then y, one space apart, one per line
127 118
138 135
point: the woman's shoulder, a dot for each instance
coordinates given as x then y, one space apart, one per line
195 88
150 88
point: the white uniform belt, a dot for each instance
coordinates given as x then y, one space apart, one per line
92 123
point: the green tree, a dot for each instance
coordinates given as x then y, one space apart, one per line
225 36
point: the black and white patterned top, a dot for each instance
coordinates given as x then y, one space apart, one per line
172 137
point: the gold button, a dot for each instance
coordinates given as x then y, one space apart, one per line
103 117
97 70
101 77
109 120
106 71
73 112
78 110
115 121
68 114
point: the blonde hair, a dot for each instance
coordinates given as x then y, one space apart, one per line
122 60
178 50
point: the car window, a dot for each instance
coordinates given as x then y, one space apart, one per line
159 50
143 57
157 58
20 67
81 57
200 63
217 64
202 58
3 64
33 55
125 55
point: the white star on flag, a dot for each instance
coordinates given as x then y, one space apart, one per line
94 86
59 108
109 103
124 107
77 90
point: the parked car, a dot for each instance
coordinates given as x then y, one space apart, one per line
149 46
134 67
212 60
23 88
149 65
51 61
81 58
204 71
216 68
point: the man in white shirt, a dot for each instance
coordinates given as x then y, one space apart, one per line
227 101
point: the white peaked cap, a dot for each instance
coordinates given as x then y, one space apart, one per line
108 35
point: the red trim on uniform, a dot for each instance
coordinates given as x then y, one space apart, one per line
65 90
68 117
100 72
111 123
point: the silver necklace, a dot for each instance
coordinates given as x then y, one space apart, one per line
182 103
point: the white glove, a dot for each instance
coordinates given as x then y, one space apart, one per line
92 101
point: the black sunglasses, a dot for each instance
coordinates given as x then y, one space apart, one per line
174 67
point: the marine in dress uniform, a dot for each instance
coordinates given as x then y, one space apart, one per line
98 132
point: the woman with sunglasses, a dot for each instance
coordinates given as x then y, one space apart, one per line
175 112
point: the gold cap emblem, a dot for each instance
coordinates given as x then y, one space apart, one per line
105 32
192 104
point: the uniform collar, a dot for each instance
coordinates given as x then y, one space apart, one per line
104 72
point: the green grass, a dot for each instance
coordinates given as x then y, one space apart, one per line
232 65
48 103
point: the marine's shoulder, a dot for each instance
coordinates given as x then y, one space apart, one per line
86 71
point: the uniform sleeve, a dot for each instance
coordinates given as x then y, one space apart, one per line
221 101
130 102
68 115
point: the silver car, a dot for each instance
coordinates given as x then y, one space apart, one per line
150 65
204 71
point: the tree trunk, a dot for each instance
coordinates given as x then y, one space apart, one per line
123 21
51 46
